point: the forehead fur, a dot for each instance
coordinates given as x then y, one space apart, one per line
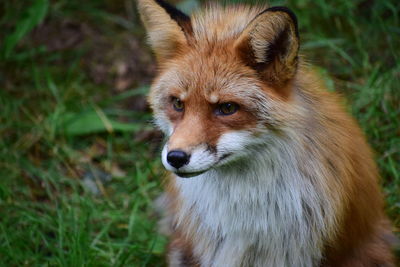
217 23
210 61
212 72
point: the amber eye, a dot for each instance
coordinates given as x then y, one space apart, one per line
178 104
227 108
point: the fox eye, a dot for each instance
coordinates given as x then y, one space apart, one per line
178 104
227 108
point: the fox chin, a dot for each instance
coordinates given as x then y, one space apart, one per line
280 174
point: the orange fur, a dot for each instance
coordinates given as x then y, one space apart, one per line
361 239
221 59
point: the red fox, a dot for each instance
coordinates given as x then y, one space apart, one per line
267 167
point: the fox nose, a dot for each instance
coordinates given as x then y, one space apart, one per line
177 158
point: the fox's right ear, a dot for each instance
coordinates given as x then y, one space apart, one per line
168 28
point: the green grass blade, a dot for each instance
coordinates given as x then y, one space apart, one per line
33 17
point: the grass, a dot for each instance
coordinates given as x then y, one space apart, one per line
79 164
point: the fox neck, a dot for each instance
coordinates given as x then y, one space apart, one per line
264 203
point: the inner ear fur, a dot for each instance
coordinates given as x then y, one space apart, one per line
270 45
168 28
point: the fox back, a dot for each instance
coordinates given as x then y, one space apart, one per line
267 169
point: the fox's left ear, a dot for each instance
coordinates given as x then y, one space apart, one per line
270 44
168 28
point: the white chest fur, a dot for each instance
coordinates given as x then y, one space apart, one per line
263 212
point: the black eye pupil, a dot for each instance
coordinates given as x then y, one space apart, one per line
178 104
228 108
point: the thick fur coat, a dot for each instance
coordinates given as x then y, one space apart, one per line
267 167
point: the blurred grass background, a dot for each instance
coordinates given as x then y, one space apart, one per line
79 163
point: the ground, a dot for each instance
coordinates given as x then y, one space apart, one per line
79 156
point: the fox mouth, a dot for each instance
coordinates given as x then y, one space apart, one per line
189 174
197 173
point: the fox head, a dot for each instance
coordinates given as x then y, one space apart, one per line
225 81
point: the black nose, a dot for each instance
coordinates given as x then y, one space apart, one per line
177 158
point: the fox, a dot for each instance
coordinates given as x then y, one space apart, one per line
266 167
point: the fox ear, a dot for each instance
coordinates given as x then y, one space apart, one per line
270 45
168 28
